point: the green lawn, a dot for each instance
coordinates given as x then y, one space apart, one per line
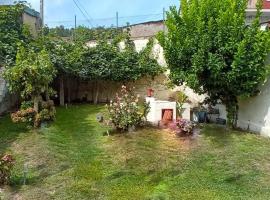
74 159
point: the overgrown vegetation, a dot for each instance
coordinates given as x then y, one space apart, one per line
12 32
211 49
31 77
39 61
108 62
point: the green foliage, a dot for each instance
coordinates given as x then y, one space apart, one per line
210 48
82 34
31 118
181 98
12 31
64 55
46 114
32 73
26 104
107 61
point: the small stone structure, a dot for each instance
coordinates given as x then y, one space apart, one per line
158 109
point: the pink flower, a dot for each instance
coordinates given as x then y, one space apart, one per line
7 158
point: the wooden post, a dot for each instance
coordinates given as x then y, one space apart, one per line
62 91
36 102
69 90
97 93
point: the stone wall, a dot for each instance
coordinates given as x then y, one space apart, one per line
7 101
146 30
32 22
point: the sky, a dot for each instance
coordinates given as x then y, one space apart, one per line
102 12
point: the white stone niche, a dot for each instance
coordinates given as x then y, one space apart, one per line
157 109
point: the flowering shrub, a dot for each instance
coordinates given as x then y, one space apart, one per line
125 112
185 127
26 116
48 111
6 164
29 116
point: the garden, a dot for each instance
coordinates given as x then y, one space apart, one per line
74 158
54 148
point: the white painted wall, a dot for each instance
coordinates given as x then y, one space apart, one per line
254 113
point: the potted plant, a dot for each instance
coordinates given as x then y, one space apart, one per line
200 113
181 99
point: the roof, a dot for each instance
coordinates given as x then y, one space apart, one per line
31 12
149 22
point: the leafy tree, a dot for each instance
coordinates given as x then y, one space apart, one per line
209 47
82 34
65 57
60 31
31 75
12 32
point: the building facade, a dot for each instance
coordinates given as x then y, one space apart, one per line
31 18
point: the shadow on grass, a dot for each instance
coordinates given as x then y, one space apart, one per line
218 135
9 132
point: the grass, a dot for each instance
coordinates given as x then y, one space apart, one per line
74 159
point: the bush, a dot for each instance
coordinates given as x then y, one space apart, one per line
28 115
6 164
48 111
26 104
125 112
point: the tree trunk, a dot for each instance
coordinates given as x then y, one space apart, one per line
47 93
97 93
36 103
232 111
62 91
69 91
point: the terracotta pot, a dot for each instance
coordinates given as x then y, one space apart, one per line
150 92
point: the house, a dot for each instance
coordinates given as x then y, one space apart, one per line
32 19
145 30
251 11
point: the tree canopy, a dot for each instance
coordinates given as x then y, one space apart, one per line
210 47
31 75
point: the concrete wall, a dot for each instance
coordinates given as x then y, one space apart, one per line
7 101
146 30
254 113
32 22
